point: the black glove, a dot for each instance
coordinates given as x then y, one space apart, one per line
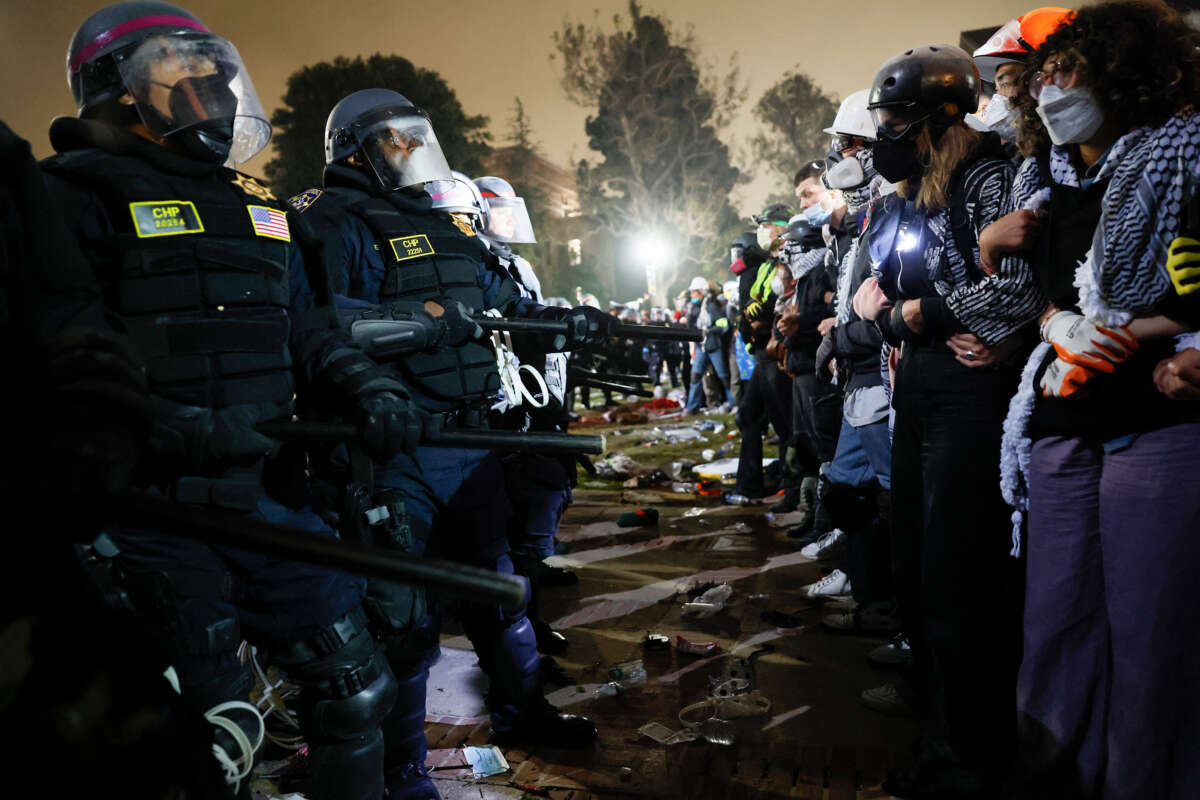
205 440
455 320
825 355
96 407
390 424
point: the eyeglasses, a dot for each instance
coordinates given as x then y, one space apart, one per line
1060 73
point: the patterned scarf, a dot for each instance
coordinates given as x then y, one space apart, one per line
1154 174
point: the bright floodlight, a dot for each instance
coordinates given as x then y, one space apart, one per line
652 248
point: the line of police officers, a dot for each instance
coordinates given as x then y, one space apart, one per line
203 307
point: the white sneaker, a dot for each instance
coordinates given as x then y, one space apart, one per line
825 546
833 584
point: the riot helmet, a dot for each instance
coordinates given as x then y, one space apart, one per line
934 84
390 134
185 82
459 195
505 217
852 121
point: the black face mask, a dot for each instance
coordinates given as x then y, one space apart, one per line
203 109
897 161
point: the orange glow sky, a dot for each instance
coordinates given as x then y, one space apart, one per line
490 52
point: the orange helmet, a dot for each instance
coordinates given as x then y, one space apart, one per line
1041 22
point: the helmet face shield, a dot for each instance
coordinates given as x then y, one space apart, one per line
896 122
508 220
458 196
195 81
402 149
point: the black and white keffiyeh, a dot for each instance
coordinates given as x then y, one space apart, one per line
1154 174
803 262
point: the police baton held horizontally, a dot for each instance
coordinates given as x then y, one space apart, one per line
234 529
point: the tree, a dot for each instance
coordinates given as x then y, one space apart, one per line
794 112
665 175
312 91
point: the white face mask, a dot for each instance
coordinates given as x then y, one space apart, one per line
1071 116
1000 116
765 236
777 286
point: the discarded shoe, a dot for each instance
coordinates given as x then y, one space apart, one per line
547 726
888 699
896 653
833 584
828 546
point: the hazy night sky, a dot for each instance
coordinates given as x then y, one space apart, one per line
491 52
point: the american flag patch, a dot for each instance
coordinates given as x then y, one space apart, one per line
270 223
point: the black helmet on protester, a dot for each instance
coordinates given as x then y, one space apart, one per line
393 135
934 83
183 80
800 230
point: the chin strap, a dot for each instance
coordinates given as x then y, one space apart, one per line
514 390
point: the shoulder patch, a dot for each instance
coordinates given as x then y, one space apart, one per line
269 222
305 199
409 247
463 223
252 187
165 218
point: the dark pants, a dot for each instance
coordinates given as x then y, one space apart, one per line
767 400
1109 687
673 370
959 590
816 420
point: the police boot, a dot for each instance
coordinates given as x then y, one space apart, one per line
549 641
520 712
404 771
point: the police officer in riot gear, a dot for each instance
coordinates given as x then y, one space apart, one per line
230 313
392 248
539 486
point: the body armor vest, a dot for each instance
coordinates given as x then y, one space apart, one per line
196 268
426 256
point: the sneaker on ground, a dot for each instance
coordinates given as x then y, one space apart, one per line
875 618
887 699
833 584
827 546
896 653
840 603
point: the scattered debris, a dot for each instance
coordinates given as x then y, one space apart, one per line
709 603
628 673
618 465
635 519
486 761
697 648
656 641
664 735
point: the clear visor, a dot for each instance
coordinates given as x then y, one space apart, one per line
508 221
896 122
453 196
404 151
182 81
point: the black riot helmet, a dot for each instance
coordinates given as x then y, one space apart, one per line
775 214
184 81
800 230
936 84
392 135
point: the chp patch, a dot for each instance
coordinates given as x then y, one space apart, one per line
305 199
165 218
409 247
269 222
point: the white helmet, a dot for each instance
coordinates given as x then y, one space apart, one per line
698 284
853 118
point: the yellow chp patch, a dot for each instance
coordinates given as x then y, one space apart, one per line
165 218
408 247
